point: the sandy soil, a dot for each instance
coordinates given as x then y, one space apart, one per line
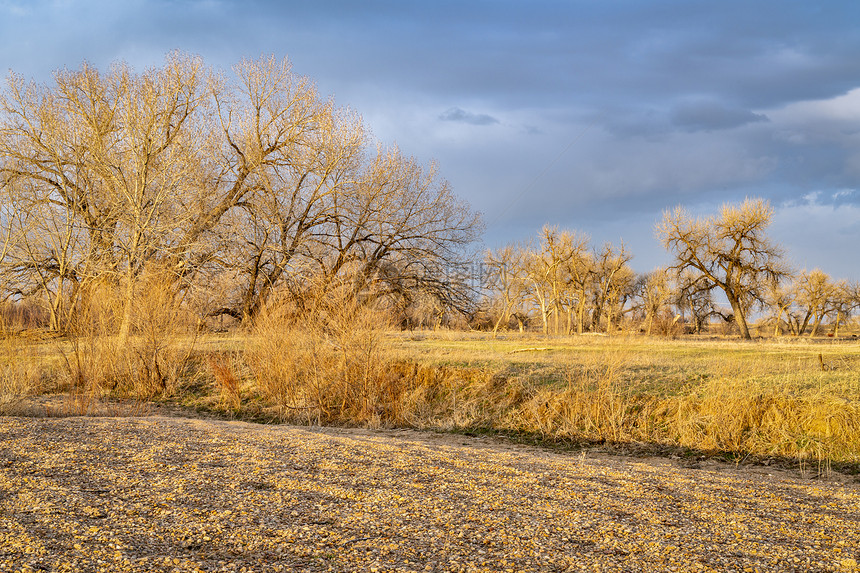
174 494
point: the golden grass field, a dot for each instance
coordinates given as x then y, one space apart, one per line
782 398
786 400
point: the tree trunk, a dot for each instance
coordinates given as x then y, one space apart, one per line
816 324
502 317
609 314
127 303
740 318
802 328
544 315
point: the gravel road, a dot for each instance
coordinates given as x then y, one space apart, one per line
175 494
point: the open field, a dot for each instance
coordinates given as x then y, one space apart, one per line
651 364
782 400
167 494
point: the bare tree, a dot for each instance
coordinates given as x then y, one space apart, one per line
539 272
308 155
100 161
507 281
813 292
656 294
845 298
553 272
779 298
310 195
402 229
202 176
577 273
43 258
695 294
729 251
613 282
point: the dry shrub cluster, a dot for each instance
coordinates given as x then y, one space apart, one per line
223 368
20 374
22 371
325 360
149 361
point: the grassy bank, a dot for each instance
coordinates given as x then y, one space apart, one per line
782 399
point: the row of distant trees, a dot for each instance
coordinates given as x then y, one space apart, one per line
568 286
571 287
228 190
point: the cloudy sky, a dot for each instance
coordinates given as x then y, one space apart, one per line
593 115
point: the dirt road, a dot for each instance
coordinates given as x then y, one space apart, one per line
172 494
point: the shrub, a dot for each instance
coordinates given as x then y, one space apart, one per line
149 361
324 359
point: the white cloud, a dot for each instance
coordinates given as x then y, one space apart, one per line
827 119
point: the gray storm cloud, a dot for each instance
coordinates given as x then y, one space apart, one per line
679 101
711 116
463 116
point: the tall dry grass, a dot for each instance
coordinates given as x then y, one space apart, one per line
21 373
223 369
151 361
326 361
758 400
333 360
335 365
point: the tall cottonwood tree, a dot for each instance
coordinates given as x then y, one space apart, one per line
813 292
656 293
845 299
187 171
694 294
568 284
779 298
553 272
100 159
578 268
507 281
613 282
729 251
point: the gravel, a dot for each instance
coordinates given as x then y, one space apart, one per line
174 494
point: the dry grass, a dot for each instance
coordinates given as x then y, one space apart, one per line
223 370
18 376
338 363
326 363
92 363
752 399
153 360
25 369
